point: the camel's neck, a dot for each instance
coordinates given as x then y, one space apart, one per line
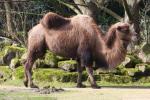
112 50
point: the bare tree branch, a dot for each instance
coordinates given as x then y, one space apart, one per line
127 10
110 12
70 6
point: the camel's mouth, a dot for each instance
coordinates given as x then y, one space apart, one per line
126 40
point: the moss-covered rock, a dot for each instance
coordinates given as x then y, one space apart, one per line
68 65
49 75
131 71
1 58
115 78
120 70
102 71
4 42
8 57
60 58
11 52
15 62
23 58
145 79
51 60
39 63
18 50
133 61
54 75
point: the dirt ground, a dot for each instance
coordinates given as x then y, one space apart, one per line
105 93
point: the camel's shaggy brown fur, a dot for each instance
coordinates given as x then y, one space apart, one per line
80 38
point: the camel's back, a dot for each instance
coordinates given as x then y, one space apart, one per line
66 39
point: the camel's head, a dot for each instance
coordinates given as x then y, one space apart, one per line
125 32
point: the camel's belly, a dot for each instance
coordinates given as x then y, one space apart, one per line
64 47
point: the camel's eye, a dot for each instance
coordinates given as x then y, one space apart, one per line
124 29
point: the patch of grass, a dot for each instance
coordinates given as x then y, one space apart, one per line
24 96
16 82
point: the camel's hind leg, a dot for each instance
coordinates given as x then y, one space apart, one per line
28 72
36 49
32 56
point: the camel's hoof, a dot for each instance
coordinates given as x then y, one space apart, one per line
25 83
33 86
95 87
81 86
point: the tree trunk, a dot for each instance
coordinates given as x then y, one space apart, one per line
8 17
87 8
134 9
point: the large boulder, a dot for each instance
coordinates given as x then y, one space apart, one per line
18 50
11 52
4 42
68 65
8 57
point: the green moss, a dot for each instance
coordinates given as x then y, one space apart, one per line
121 70
5 43
54 75
132 71
2 53
49 75
18 50
19 73
144 80
68 65
61 58
115 78
134 59
15 62
7 72
51 59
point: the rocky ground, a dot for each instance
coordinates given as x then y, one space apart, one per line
105 93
